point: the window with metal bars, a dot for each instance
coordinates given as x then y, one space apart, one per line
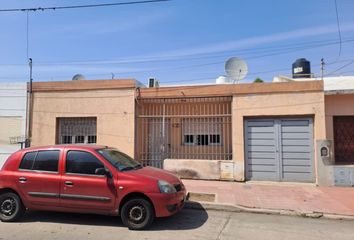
77 130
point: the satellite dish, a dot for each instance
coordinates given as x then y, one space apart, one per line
236 69
78 77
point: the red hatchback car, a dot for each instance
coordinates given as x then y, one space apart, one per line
87 179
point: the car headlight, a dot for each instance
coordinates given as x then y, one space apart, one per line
166 187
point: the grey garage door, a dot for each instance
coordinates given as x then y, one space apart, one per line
279 149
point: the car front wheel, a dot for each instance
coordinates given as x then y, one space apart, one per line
137 214
11 207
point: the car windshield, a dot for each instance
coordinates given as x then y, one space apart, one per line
119 160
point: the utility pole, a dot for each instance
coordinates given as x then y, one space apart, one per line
322 68
29 107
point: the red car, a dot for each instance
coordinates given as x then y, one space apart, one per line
87 179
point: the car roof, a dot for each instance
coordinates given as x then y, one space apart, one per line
66 146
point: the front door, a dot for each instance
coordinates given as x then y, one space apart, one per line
38 178
81 187
159 141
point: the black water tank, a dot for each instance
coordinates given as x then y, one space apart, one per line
301 68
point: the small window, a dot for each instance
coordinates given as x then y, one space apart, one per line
79 139
188 139
215 139
202 139
66 139
81 162
91 139
28 160
47 161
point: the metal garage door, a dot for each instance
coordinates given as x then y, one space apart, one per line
279 149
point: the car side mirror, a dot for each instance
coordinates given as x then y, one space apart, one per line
103 171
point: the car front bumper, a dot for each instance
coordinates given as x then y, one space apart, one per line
168 204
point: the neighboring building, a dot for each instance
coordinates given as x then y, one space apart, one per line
13 102
84 112
339 110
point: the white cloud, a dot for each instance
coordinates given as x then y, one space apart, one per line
303 33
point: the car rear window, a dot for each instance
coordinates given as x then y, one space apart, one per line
41 161
28 160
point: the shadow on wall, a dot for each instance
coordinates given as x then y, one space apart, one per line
184 220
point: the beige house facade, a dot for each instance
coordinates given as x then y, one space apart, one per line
81 112
244 132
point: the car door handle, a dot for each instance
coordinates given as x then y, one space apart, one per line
68 183
22 179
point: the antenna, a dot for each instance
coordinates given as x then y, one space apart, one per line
236 69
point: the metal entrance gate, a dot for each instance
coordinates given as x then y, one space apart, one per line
279 149
343 129
183 128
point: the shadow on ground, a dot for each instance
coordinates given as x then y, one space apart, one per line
184 220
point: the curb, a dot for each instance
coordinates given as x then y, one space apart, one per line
240 208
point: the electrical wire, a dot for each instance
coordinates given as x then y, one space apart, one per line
81 6
339 31
340 68
189 56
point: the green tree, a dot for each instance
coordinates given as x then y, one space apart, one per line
258 80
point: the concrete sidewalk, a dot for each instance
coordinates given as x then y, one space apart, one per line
278 198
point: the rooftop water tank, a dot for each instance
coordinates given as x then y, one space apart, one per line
301 68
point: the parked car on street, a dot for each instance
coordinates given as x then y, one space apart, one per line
87 179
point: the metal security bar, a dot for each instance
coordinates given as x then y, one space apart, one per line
77 130
183 128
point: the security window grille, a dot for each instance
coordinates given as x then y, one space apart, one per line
183 128
79 139
91 139
189 139
215 139
202 131
66 139
202 140
77 130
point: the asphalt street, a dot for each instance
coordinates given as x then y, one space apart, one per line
189 224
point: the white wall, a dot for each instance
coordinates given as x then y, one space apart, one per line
12 105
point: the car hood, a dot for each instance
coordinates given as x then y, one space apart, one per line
156 173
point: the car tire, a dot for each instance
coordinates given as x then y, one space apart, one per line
11 207
137 214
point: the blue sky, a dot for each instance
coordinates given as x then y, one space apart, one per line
179 42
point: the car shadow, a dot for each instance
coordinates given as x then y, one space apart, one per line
184 220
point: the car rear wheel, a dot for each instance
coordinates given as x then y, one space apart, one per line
137 214
11 207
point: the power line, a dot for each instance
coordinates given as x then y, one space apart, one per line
81 6
199 56
338 69
277 52
339 31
